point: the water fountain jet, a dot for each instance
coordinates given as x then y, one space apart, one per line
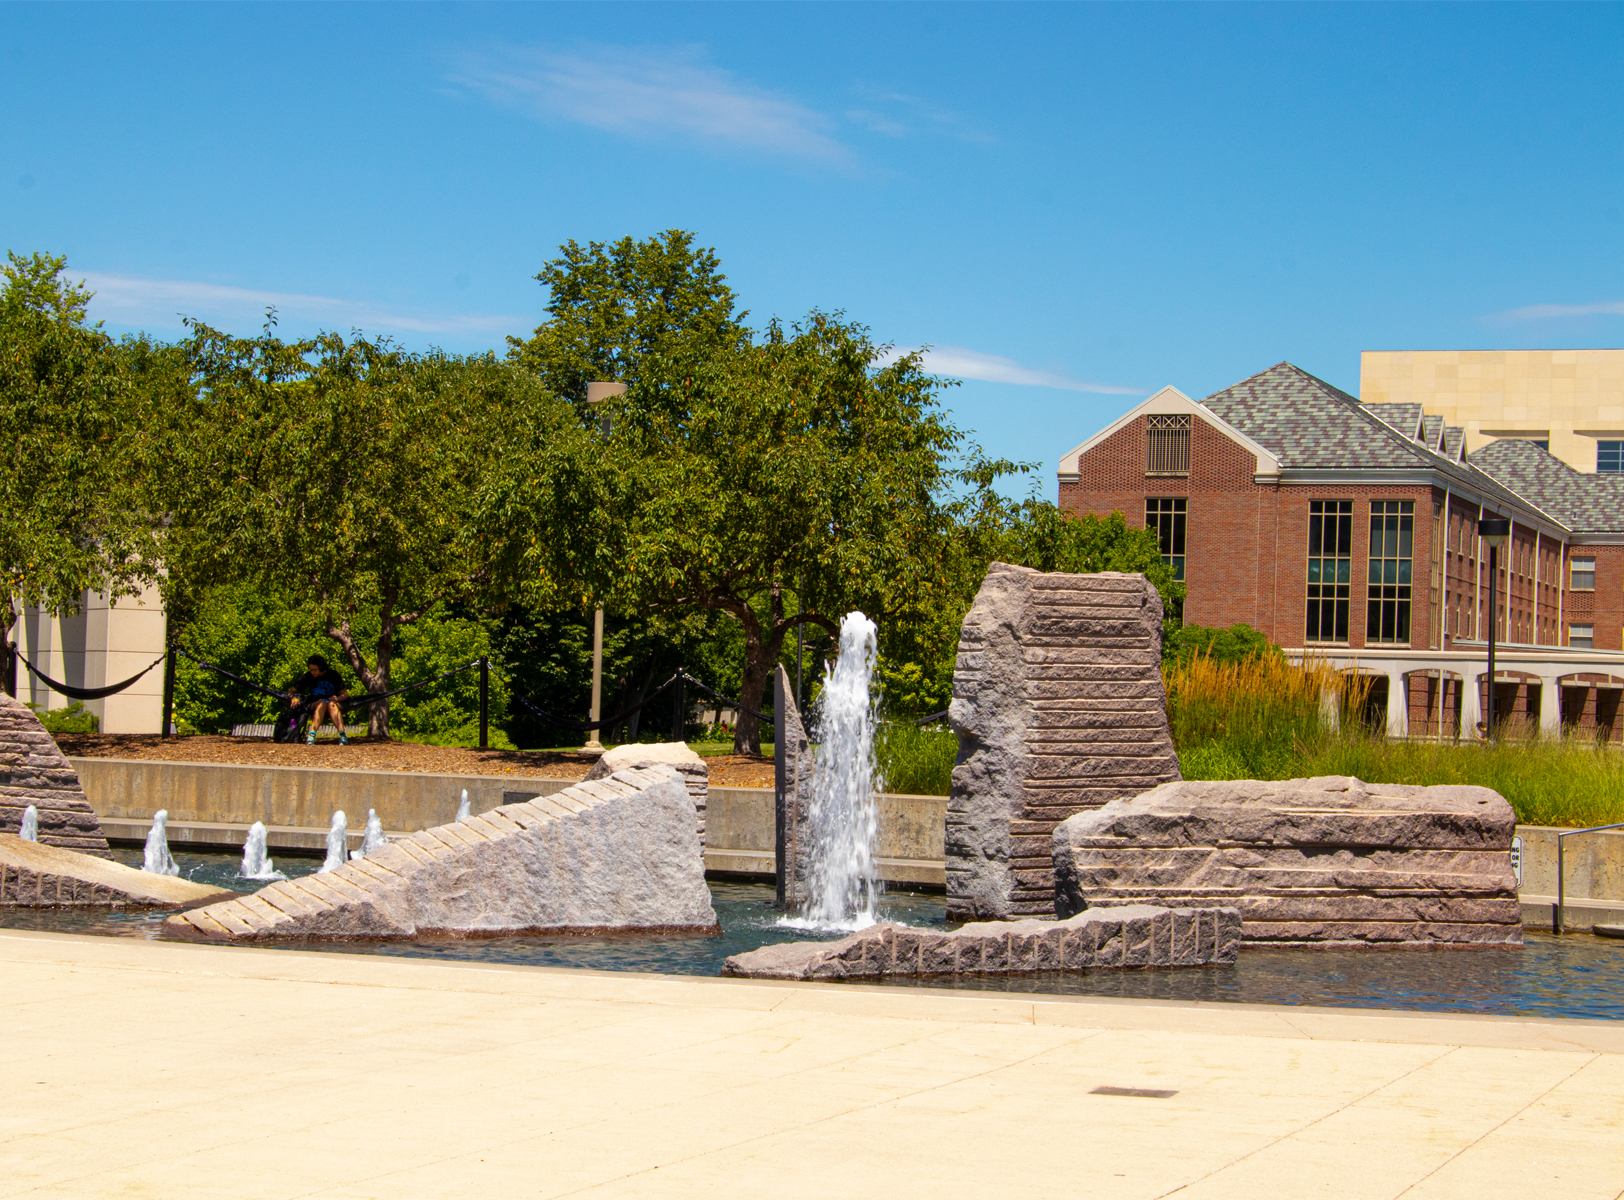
462 809
254 863
843 883
28 827
338 843
373 837
156 857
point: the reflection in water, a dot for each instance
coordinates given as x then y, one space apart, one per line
1577 976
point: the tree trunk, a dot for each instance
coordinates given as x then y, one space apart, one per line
375 678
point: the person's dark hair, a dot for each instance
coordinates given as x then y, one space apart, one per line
316 660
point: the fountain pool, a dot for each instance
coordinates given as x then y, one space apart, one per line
1576 976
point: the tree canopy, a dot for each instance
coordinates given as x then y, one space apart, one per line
70 516
349 476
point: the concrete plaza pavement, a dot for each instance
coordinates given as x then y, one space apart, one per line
138 1068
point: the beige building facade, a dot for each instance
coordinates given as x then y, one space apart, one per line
1571 400
100 644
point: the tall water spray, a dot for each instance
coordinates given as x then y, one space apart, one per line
156 857
254 863
462 809
843 883
28 827
338 843
373 837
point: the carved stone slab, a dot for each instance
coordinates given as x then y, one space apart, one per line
634 756
1059 707
37 875
1131 936
33 771
613 854
1326 860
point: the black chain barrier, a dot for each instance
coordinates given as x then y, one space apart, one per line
79 693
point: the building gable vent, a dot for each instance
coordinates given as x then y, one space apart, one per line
1169 441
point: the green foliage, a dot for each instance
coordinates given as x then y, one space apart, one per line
265 638
69 516
75 718
754 479
612 306
1237 644
351 479
914 761
910 692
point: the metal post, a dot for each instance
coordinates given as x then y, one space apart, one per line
1561 885
781 796
1494 580
593 745
679 718
800 608
484 702
11 670
169 692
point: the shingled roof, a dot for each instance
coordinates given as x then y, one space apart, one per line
1305 423
1584 503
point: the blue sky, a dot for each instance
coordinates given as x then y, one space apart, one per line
1074 204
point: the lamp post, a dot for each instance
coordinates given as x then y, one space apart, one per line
596 394
1494 531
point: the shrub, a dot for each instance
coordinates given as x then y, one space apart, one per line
75 718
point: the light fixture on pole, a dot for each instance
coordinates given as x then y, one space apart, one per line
1494 531
596 394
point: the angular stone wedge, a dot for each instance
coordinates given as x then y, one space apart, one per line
1089 940
1319 861
638 756
33 771
37 875
1059 708
624 862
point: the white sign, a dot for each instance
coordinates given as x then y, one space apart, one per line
1516 859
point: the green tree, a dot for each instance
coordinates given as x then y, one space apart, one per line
351 477
754 479
614 305
70 518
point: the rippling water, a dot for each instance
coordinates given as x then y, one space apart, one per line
1576 976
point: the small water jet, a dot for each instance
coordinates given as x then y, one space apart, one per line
843 883
254 863
373 836
338 843
462 809
156 857
28 828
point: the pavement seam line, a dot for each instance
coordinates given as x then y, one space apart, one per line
1273 1142
1512 1117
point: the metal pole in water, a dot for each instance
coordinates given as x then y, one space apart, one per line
781 816
169 692
1561 886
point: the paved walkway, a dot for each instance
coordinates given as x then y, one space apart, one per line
141 1069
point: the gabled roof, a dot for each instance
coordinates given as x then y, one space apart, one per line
1403 416
1171 401
1307 423
1432 432
1584 503
1454 442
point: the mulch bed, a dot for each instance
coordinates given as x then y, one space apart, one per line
365 754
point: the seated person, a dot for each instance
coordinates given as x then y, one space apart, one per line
325 686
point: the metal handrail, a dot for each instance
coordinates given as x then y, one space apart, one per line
1561 873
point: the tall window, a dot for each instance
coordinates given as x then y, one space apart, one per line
1330 569
1166 516
1584 574
1610 457
1392 532
1169 436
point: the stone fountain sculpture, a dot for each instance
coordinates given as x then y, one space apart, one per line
33 771
1059 707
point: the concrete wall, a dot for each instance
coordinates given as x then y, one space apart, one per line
213 803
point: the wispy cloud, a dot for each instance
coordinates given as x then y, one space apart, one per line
897 114
959 363
651 93
126 300
1537 312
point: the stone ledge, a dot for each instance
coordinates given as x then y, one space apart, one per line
1130 936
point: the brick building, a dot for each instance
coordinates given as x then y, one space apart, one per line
1350 530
